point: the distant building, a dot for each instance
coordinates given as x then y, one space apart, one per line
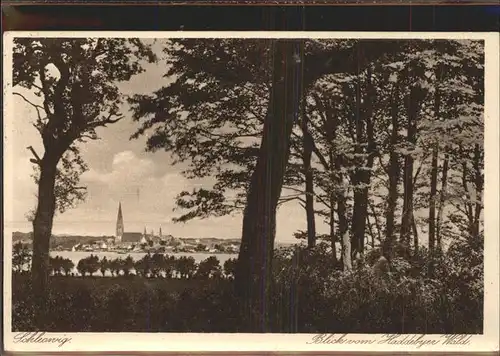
132 237
119 224
123 238
121 235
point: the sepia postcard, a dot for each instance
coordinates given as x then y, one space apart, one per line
251 191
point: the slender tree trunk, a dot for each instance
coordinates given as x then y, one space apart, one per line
474 198
407 200
370 229
309 181
363 173
42 231
394 173
479 186
361 207
468 201
434 170
413 102
442 198
253 274
434 176
360 211
432 199
346 251
432 207
331 221
358 219
376 222
331 133
415 233
343 224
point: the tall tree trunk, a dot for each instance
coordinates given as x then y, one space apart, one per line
479 186
370 230
358 224
331 221
472 176
343 224
407 200
253 274
394 174
331 133
362 175
309 181
415 233
375 222
358 218
434 176
42 231
360 211
432 199
442 198
413 102
468 202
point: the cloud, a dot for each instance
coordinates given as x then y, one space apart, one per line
147 194
126 169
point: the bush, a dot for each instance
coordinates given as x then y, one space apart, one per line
118 309
308 295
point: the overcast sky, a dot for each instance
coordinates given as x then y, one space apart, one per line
120 171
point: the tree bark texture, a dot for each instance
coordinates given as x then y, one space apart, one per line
42 231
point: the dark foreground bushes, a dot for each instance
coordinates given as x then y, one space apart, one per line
425 294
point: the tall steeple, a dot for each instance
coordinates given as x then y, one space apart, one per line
160 232
119 222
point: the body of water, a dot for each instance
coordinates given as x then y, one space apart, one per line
76 256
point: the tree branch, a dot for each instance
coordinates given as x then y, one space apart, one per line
316 151
90 137
37 107
106 120
384 168
375 217
419 169
284 200
37 159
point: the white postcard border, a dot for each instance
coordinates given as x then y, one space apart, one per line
100 342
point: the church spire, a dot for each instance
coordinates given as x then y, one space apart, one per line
119 221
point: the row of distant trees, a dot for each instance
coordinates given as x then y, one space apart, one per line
151 265
157 266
